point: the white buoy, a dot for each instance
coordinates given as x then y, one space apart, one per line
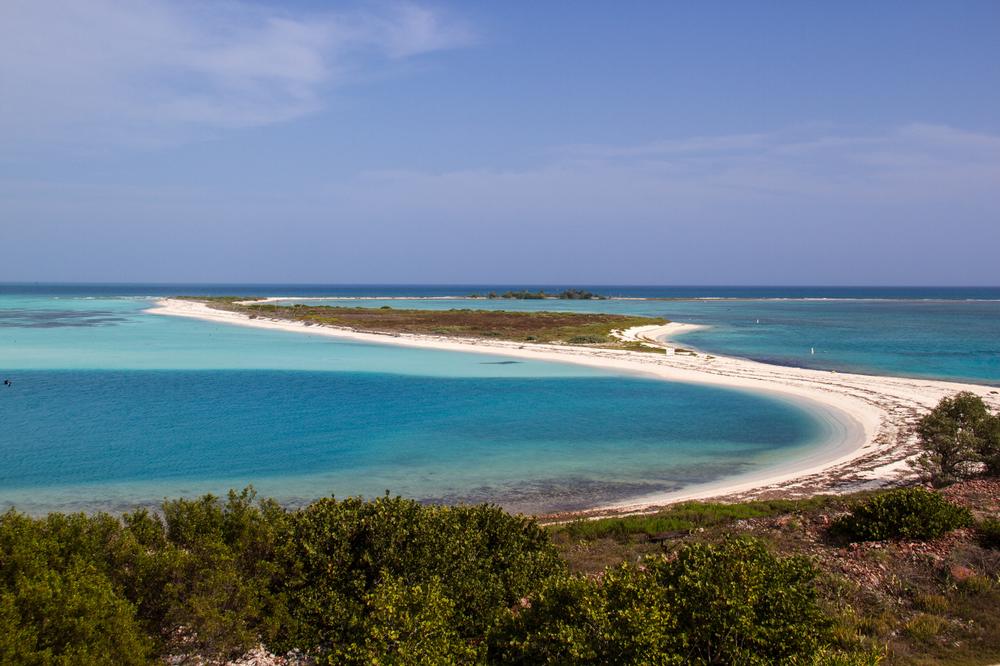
812 350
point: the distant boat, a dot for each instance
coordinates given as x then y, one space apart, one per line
812 350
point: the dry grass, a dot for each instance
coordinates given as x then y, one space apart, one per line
549 327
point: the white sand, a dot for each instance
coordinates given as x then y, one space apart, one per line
870 417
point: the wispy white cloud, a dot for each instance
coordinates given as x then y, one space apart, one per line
153 69
907 164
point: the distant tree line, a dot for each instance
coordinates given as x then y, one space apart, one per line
524 295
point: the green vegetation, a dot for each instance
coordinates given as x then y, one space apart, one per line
733 602
960 437
393 581
549 327
588 340
345 580
525 295
387 581
579 294
683 517
989 533
903 513
905 601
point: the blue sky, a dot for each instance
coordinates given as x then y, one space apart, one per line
561 142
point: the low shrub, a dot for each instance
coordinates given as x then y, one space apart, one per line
924 628
904 513
473 562
989 533
587 339
975 586
732 602
387 581
737 602
683 517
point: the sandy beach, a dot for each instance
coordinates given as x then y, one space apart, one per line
869 418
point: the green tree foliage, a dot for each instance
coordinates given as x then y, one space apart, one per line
957 436
904 513
988 446
221 566
565 621
579 294
624 618
195 581
58 603
406 624
733 602
736 602
339 552
387 581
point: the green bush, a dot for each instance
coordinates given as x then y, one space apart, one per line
623 619
733 602
58 603
989 533
904 513
685 516
988 446
736 602
383 581
958 437
406 624
74 616
587 339
337 554
564 621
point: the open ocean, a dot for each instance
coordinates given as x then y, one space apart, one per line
112 407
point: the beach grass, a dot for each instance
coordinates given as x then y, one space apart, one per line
684 517
588 329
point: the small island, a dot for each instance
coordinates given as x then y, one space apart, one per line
525 295
570 328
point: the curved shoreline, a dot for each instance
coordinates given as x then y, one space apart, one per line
874 414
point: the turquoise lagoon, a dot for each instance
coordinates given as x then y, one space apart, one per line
113 408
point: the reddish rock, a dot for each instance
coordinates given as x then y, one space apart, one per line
960 573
